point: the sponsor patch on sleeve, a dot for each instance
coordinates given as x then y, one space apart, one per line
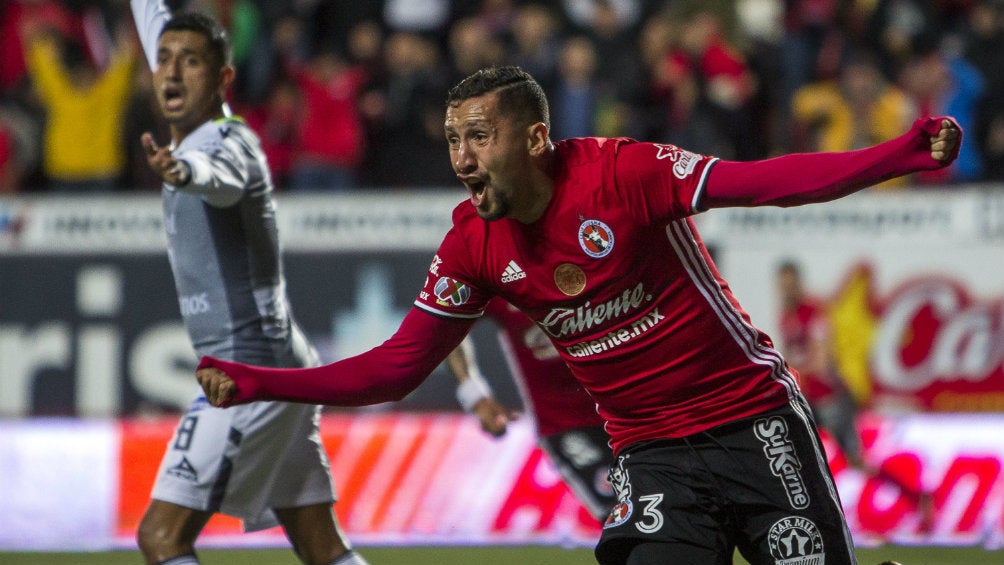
451 292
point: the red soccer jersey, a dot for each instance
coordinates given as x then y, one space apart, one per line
551 393
618 278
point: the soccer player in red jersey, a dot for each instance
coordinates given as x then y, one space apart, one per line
569 429
716 447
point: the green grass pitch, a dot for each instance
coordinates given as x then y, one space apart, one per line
515 555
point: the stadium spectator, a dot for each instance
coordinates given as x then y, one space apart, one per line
417 16
406 124
575 94
856 109
940 80
471 47
142 115
807 25
619 77
10 170
85 110
330 136
984 47
536 40
277 122
893 27
705 417
567 425
667 91
263 464
713 115
273 59
21 18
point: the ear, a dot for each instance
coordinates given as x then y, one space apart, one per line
537 141
227 74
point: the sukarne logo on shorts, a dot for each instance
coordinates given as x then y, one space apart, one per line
784 463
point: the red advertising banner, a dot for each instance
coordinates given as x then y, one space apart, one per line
928 344
420 479
436 479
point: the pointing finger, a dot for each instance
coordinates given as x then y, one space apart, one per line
149 145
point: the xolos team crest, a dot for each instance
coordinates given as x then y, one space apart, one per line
596 238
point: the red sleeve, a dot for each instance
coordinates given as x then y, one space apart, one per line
660 181
803 178
453 287
385 373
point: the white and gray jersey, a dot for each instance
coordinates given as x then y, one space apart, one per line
222 238
224 248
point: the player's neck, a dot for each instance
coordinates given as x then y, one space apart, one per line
180 131
541 190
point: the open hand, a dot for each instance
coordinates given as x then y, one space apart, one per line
163 163
945 145
217 386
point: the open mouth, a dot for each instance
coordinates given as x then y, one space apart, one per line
477 188
172 98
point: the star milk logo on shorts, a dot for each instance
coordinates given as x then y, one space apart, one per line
451 292
596 238
784 463
796 541
621 483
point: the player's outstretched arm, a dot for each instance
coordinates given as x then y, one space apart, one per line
385 373
803 178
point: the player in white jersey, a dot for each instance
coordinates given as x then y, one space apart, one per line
263 463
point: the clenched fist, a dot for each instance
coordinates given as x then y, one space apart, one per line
945 145
217 386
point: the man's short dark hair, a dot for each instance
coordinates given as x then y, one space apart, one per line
219 39
519 94
789 266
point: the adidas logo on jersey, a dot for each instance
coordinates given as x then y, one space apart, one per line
512 273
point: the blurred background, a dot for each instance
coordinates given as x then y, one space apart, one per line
348 97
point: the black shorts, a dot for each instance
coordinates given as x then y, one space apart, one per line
761 485
583 457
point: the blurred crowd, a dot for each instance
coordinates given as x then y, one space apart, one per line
349 94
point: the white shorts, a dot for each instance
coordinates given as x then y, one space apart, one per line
246 460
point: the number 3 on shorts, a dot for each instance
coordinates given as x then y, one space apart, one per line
652 520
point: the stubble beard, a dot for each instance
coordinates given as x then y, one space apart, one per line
499 209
